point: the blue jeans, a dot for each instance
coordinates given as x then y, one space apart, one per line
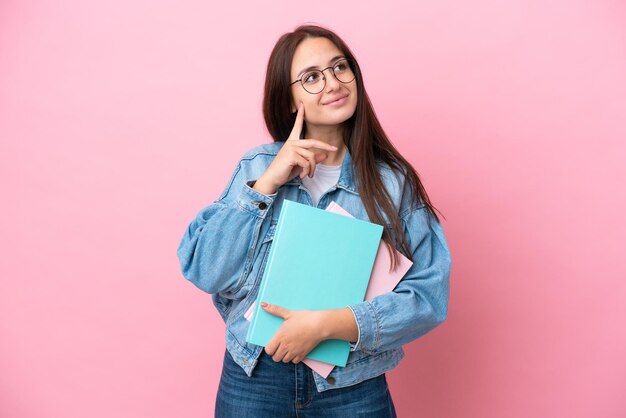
277 390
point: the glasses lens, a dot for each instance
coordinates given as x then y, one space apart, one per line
313 81
343 71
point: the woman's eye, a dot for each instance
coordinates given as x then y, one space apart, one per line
311 77
341 66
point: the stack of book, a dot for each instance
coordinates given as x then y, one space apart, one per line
321 259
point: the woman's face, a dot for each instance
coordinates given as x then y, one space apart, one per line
318 108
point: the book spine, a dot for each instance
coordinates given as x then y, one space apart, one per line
251 335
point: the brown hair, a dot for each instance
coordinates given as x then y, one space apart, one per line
363 135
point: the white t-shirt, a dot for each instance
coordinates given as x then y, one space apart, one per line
325 177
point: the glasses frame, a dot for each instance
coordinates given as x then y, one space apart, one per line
350 63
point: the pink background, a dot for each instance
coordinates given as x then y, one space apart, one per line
120 120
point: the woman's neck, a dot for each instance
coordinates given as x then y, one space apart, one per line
332 135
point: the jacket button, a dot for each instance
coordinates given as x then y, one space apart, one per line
262 205
330 380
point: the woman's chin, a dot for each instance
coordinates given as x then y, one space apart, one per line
333 118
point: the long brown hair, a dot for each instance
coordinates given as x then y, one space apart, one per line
363 135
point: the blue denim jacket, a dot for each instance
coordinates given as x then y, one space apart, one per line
225 248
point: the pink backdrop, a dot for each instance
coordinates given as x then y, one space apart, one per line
120 120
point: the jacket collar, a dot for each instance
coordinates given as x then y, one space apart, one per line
346 179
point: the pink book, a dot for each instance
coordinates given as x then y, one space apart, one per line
381 281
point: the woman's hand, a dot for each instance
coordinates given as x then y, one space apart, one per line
297 156
297 336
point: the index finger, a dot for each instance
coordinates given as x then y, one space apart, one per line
297 126
316 143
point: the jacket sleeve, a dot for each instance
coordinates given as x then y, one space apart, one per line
217 248
420 301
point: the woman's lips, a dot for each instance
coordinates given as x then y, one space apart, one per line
338 102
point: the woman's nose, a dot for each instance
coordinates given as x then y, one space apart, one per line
331 80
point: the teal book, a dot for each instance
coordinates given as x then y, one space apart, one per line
318 260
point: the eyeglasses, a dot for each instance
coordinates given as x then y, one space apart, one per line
314 81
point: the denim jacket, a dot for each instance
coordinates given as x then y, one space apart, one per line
224 250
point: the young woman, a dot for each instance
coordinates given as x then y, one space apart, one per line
329 146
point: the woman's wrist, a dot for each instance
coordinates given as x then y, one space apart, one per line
339 324
262 187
